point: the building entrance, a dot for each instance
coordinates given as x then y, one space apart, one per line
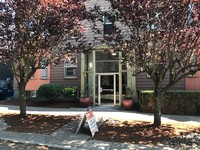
108 88
105 77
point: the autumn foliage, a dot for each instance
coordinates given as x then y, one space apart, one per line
36 33
159 37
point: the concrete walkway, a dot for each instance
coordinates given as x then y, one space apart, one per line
65 137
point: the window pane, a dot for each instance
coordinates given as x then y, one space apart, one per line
105 55
70 71
107 66
106 20
44 73
109 29
106 62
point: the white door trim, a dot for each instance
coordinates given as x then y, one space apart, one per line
100 88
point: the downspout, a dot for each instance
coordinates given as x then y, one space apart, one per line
82 72
93 73
120 78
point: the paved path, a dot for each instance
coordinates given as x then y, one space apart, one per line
65 137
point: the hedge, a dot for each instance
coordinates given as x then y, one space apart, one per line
174 102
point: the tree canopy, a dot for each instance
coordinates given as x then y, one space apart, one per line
162 39
35 33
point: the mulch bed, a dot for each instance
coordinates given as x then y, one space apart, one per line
35 103
137 132
42 124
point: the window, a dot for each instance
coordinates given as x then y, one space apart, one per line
154 22
73 37
44 73
192 75
193 68
70 69
148 75
31 94
189 20
108 26
105 62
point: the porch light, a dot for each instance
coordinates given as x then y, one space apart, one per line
90 65
114 53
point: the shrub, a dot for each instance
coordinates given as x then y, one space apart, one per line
49 91
2 97
146 101
175 102
70 92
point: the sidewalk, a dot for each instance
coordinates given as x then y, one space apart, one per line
65 137
104 111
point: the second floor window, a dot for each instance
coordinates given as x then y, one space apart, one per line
70 69
108 24
44 73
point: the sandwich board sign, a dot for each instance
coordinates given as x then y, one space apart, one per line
81 124
91 122
89 117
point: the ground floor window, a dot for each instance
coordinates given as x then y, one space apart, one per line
31 94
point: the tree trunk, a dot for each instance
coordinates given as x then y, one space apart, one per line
157 109
22 99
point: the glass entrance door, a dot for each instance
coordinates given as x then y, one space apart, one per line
107 88
107 75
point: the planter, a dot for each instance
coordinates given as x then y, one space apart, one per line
85 101
127 104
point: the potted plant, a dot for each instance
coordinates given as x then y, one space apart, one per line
85 100
128 101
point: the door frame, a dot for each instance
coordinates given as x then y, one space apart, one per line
100 88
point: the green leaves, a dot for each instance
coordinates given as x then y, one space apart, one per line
49 91
70 92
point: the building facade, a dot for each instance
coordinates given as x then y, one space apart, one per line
6 82
101 74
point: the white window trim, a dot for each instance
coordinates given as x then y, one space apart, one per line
44 77
191 76
70 65
104 23
148 76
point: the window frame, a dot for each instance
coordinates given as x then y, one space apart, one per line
46 70
71 65
108 22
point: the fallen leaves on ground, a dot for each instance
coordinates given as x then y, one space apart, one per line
42 124
138 132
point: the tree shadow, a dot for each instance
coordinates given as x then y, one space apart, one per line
46 104
136 132
41 124
12 145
